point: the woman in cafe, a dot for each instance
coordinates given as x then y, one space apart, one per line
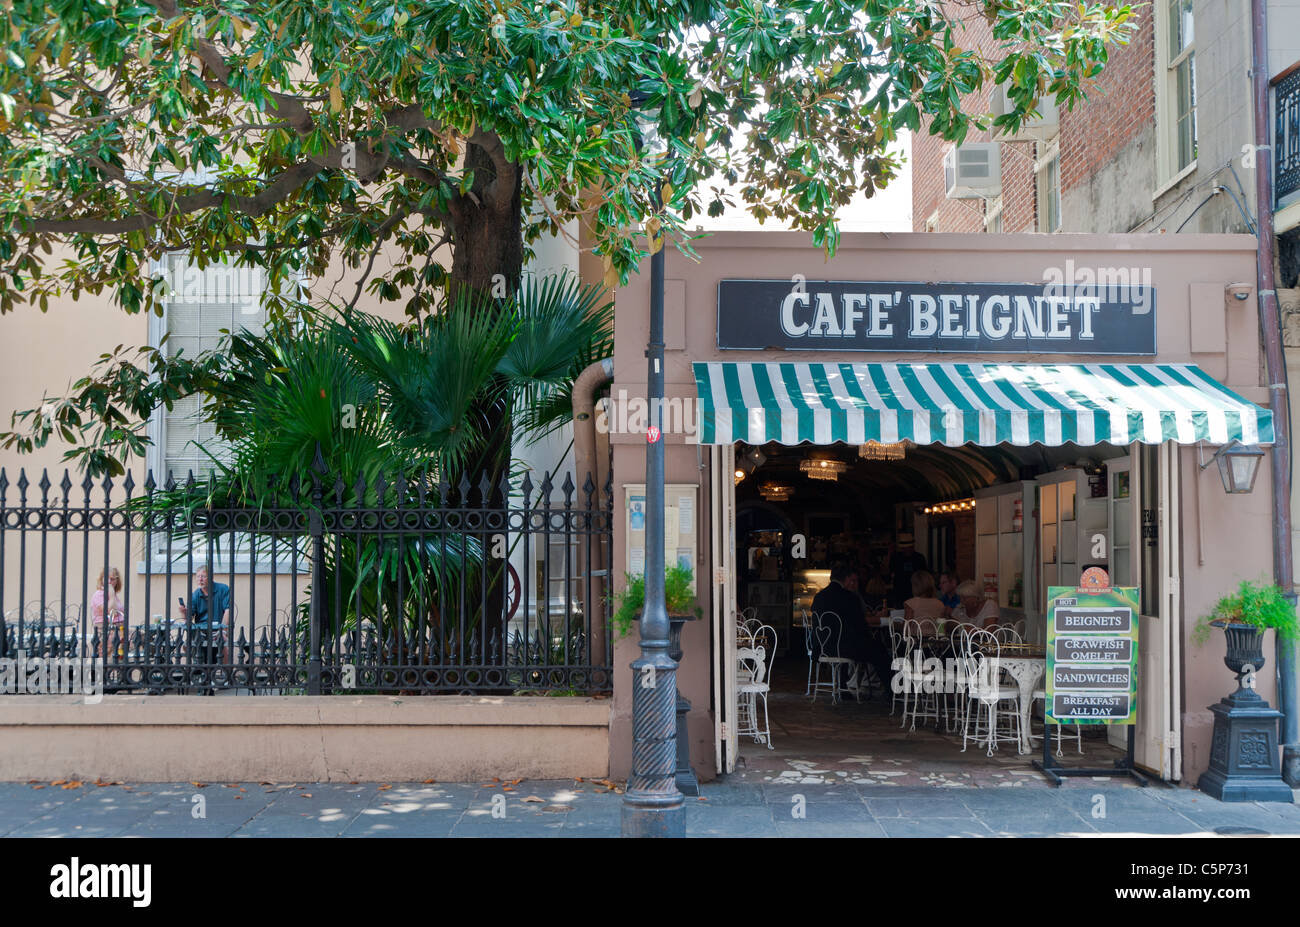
975 608
924 603
106 603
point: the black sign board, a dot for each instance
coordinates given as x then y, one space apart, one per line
1093 650
1098 317
1092 678
1091 707
1111 620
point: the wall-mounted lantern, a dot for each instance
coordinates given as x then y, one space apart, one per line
1238 465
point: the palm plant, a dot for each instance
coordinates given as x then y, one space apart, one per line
391 411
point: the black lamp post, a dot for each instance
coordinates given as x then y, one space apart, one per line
652 805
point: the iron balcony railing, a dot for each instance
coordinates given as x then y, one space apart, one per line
1286 135
402 585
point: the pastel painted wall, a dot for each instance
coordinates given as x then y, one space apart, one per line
1197 322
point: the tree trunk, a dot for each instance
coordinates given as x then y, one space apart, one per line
487 262
488 238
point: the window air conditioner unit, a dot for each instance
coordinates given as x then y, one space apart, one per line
1040 128
972 171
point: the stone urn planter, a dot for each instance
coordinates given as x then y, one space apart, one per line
1245 758
1245 648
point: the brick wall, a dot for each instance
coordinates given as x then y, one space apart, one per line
1120 107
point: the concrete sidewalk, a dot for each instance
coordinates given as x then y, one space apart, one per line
584 809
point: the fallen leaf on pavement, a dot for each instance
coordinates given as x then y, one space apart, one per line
74 784
38 786
199 785
58 782
384 788
430 782
305 794
535 798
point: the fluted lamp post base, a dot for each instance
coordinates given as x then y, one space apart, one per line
652 805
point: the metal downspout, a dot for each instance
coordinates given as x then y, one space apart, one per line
592 378
1275 365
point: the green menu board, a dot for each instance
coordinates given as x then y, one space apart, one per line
1092 648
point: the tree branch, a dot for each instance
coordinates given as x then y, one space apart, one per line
256 205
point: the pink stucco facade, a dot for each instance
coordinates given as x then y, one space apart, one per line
1223 538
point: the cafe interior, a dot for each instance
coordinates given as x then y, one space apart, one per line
943 553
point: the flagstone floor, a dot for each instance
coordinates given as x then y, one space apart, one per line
862 744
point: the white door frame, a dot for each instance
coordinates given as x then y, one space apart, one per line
722 500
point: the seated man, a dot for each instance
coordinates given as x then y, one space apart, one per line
856 642
206 640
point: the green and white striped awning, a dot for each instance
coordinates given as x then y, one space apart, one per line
984 404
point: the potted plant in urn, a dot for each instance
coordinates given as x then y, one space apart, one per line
1245 764
679 599
1245 615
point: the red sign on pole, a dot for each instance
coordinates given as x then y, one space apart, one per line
652 434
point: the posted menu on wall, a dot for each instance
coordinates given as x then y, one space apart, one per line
1092 642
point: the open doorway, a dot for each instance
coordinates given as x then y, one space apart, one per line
900 524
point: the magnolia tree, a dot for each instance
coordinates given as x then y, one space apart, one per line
284 135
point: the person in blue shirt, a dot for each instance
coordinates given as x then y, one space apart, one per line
208 611
948 582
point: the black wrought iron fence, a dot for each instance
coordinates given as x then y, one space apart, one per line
404 585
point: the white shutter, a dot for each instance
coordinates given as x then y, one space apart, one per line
202 306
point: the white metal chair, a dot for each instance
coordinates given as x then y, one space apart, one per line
987 693
925 705
756 661
1007 634
1062 731
898 656
957 647
810 645
830 631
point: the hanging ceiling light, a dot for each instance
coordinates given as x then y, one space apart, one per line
776 492
740 475
874 450
823 468
951 508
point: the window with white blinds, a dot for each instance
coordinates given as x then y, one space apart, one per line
200 308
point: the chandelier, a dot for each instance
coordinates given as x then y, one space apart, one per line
874 450
776 492
822 468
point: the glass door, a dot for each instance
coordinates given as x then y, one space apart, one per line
1123 570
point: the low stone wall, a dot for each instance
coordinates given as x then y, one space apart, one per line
302 738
